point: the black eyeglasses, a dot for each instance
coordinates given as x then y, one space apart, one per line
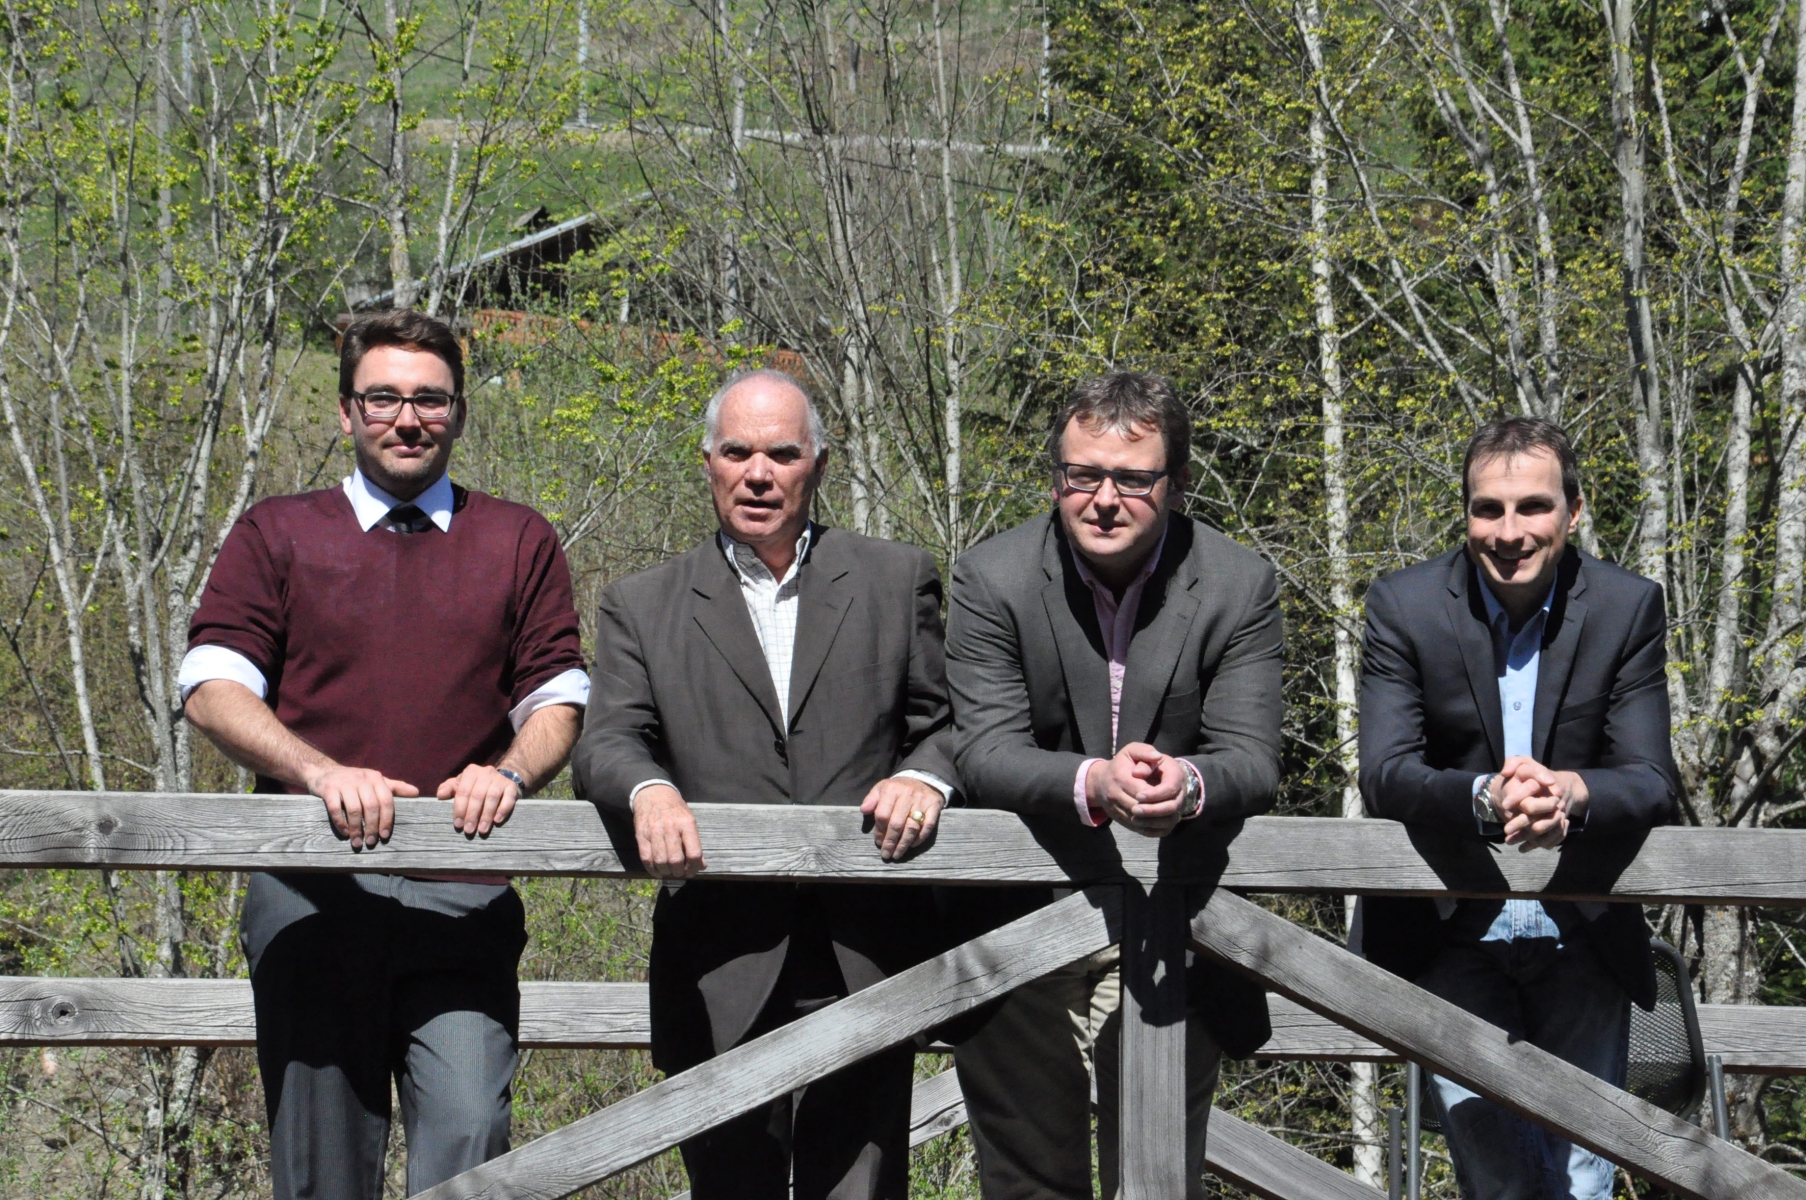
1081 477
385 406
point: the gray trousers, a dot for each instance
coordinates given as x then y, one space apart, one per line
1027 1086
360 978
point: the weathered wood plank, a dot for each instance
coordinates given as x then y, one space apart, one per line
126 1012
1755 1040
584 1016
1256 1161
38 1011
549 837
935 1107
1151 1124
218 1012
603 1143
602 1016
1526 1080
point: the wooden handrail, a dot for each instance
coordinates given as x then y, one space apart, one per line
1386 1015
143 830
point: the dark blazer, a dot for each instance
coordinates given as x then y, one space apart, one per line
1431 721
681 691
1031 697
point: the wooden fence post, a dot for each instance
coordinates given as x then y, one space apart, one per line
1151 1132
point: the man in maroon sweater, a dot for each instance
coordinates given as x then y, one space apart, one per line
392 636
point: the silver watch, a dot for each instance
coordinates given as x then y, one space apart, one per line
1485 811
510 773
1193 799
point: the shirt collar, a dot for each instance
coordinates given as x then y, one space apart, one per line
742 557
371 504
1141 577
1495 610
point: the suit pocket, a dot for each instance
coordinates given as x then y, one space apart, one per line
1179 718
1581 710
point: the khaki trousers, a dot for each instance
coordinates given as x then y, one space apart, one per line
1027 1078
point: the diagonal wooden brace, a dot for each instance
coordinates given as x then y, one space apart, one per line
649 1122
1529 1081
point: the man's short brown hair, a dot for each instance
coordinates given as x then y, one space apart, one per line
399 327
1124 401
1522 435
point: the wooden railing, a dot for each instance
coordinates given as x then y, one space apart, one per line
1155 897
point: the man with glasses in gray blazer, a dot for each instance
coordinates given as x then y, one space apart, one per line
1112 663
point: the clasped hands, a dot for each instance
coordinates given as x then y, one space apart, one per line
904 813
361 802
1140 788
1538 804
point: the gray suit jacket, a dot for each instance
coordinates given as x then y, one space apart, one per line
1031 679
1431 721
681 691
1031 696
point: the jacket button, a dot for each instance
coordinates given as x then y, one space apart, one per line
783 750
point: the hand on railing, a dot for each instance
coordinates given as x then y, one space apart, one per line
361 802
664 826
482 798
1141 788
904 812
1538 804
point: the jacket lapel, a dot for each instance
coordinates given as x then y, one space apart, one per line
1560 640
822 600
1080 644
1466 613
1171 596
721 612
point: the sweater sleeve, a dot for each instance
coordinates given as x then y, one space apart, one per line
546 639
242 607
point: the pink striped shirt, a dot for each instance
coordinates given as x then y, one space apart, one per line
1116 620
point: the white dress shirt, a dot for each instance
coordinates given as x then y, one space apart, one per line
372 506
772 604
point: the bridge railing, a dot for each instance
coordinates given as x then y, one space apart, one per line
1155 897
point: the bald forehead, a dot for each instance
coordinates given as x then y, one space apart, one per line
759 410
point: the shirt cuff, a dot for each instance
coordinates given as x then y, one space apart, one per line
1089 816
217 662
1202 796
642 786
567 687
934 781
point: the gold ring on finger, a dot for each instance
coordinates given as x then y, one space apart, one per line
918 816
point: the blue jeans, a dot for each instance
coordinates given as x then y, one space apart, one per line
1553 992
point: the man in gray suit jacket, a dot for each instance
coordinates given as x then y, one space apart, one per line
1113 662
1514 689
779 662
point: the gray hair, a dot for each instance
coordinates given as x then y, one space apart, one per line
711 416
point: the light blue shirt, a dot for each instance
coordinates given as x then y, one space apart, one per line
1516 659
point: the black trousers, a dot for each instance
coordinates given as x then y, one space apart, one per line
360 978
845 1136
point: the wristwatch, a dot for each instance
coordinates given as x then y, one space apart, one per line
1193 799
511 773
1485 811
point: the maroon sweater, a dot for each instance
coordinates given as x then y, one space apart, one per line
398 652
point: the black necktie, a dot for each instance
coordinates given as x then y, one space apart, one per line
407 518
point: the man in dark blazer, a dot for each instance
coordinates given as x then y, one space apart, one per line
1515 689
1111 663
779 662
